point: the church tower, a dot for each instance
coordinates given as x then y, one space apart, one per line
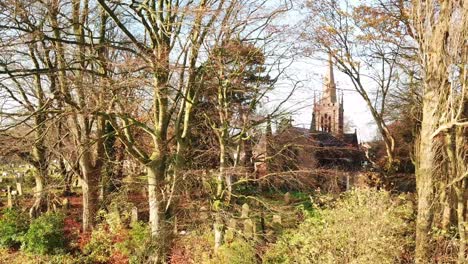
327 114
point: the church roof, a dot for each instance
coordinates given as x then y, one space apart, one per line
324 139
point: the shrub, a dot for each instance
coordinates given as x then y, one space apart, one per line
108 245
20 257
45 235
364 226
194 247
13 225
100 246
138 243
237 252
198 247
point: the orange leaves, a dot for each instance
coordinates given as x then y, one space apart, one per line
378 23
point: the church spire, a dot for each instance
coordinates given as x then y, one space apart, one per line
329 88
312 124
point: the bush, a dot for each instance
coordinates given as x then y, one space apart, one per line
237 252
45 235
100 246
106 245
20 257
364 226
138 243
13 225
198 247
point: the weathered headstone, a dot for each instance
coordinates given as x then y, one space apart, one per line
19 188
10 199
204 213
249 228
231 230
287 198
134 218
245 211
276 219
175 230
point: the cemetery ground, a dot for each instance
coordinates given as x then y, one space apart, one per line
276 225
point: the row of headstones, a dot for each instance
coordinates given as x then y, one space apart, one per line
18 180
11 194
12 171
114 215
249 227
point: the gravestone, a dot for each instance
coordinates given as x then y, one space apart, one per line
245 211
10 199
134 218
249 228
19 188
204 213
175 230
249 225
276 219
231 230
287 198
19 181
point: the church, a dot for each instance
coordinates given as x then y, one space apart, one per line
328 113
323 145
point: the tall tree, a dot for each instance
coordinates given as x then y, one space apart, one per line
234 87
24 82
441 28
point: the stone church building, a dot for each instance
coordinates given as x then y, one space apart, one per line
328 112
324 145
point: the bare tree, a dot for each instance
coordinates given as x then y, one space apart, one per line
25 88
441 28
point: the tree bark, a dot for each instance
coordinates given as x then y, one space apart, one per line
222 180
461 218
424 179
39 204
154 199
89 186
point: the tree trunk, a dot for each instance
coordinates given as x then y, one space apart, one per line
218 227
447 201
222 179
67 176
90 190
39 204
462 223
39 161
113 174
159 230
424 180
154 199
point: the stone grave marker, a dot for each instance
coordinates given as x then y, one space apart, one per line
245 211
